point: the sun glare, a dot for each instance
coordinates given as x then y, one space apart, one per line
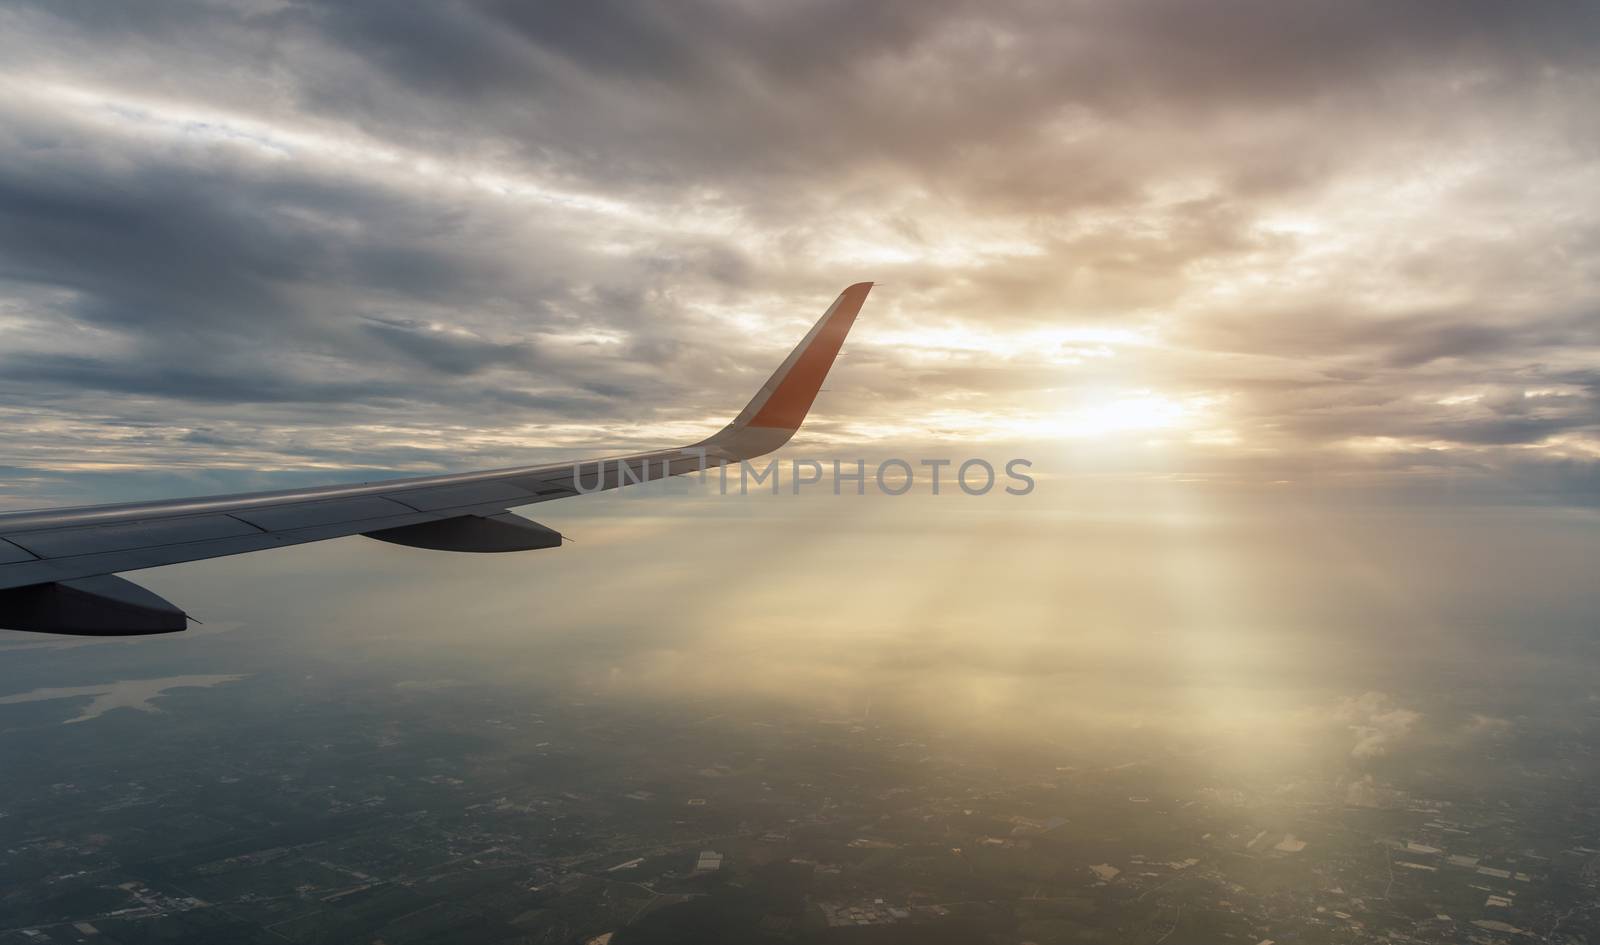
1139 412
1108 416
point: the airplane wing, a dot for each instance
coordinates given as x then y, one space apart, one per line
58 566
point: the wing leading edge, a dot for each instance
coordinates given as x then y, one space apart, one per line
58 566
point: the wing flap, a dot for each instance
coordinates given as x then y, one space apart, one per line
88 565
95 539
472 493
328 512
10 553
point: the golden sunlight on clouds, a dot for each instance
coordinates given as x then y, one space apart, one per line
974 342
1274 259
1141 412
1106 416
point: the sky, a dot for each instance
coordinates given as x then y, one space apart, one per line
1284 242
1291 305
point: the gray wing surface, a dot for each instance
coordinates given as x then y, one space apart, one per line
58 566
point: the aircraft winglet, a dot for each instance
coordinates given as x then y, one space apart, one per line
780 406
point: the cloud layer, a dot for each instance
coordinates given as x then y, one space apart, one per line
1281 242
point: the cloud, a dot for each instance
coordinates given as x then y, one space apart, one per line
1354 228
446 350
1487 727
1380 725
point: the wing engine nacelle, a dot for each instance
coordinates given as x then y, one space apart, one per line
100 606
475 533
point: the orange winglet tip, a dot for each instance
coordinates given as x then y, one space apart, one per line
786 407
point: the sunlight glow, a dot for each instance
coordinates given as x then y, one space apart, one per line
1070 345
1111 416
1143 412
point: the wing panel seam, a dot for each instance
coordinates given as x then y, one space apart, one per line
31 555
264 531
